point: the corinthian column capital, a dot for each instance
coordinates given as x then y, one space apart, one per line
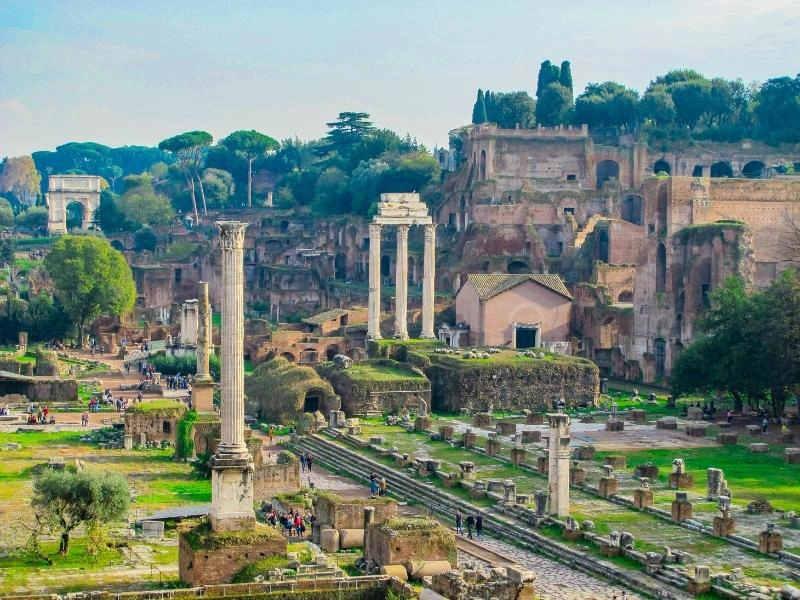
430 232
231 234
402 231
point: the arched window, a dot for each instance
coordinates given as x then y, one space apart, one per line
662 166
602 246
721 169
518 266
606 170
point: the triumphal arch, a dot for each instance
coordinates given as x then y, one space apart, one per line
63 190
401 211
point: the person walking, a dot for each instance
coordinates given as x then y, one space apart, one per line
478 525
303 462
470 523
459 530
373 484
309 460
382 487
764 425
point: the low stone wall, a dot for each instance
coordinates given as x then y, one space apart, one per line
272 479
349 514
399 540
514 386
156 425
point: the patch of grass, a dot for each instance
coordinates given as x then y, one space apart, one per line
202 537
381 373
157 406
78 558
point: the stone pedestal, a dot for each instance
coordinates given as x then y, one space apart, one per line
694 413
531 437
791 456
753 429
446 433
724 526
542 463
577 476
637 415
700 581
642 498
681 508
483 420
758 448
422 423
696 429
727 439
680 481
615 460
585 453
506 428
518 456
770 541
203 396
667 423
469 438
615 425
127 442
558 468
534 419
492 447
648 470
608 486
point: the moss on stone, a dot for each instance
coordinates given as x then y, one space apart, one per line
202 537
157 406
705 232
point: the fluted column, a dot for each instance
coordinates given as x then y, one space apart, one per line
374 321
558 467
203 332
401 284
232 376
428 280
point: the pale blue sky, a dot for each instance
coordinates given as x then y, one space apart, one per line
134 72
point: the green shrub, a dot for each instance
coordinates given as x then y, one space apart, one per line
184 436
185 365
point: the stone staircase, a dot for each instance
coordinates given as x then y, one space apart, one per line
351 464
580 238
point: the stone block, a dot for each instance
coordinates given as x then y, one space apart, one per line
667 423
608 486
534 419
681 508
615 460
585 453
483 420
329 540
696 429
758 448
492 447
753 429
792 456
446 433
787 437
647 470
153 529
727 439
531 437
127 442
506 428
615 425
724 526
422 423
495 485
543 464
680 481
468 439
694 413
518 456
770 541
577 476
642 498
637 415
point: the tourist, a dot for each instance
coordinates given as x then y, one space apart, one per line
478 525
470 523
309 460
764 425
373 484
299 528
459 531
271 433
382 487
303 462
729 416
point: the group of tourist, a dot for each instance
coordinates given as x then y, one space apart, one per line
471 522
4 411
377 486
178 382
291 523
306 460
42 416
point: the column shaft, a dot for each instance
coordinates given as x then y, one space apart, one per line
401 284
203 331
428 282
232 377
374 321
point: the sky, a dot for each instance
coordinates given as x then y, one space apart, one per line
125 72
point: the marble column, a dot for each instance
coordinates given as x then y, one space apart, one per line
203 386
232 465
428 280
374 320
558 464
401 284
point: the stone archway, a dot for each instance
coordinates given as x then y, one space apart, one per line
606 170
66 190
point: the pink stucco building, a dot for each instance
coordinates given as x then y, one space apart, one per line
515 311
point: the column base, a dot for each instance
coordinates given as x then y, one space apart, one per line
427 336
203 395
375 337
231 492
401 336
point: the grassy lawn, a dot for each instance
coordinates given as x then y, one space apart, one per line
380 373
751 476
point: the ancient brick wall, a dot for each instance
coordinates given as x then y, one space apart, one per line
396 547
157 425
205 567
272 479
349 514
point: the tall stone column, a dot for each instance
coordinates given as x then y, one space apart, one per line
428 281
401 284
232 465
558 464
203 386
374 320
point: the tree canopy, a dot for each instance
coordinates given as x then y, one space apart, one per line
249 145
91 279
188 148
19 177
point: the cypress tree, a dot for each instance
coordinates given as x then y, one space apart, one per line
565 77
479 110
548 73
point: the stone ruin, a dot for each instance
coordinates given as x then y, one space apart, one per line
680 479
341 522
474 583
717 485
